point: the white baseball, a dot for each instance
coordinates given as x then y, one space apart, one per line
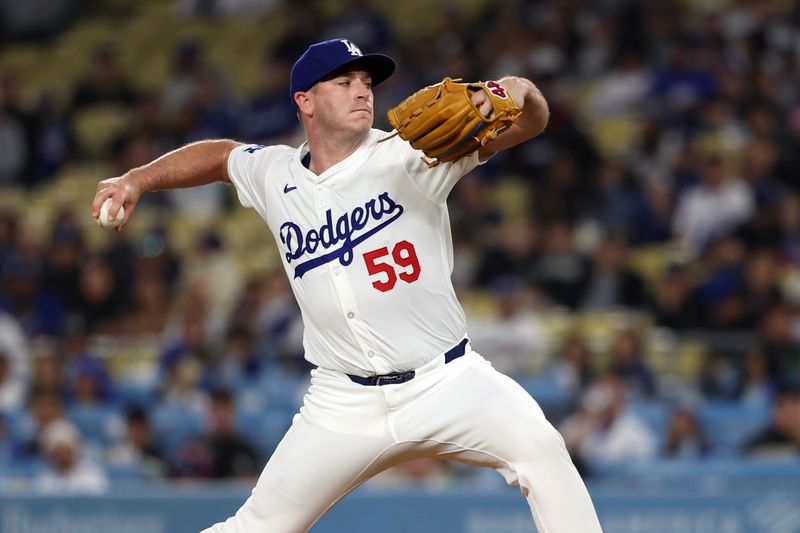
104 221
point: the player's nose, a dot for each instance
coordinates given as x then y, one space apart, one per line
362 90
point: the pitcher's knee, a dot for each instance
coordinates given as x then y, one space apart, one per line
538 438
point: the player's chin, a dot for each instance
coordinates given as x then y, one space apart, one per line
362 115
361 120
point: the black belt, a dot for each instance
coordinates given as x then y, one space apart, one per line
401 377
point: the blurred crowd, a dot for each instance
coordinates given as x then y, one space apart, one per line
674 135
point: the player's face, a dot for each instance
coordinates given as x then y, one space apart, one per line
344 100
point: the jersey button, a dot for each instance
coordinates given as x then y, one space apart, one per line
371 354
351 314
335 271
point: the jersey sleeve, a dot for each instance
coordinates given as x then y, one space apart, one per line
247 169
437 182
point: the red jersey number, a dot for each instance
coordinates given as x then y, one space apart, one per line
404 255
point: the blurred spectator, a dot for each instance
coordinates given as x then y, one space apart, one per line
685 437
98 302
15 346
53 141
270 114
192 462
684 83
761 290
104 83
573 371
9 225
192 80
782 438
789 233
712 208
120 256
240 362
622 89
178 417
781 348
721 292
45 408
15 132
156 257
514 335
759 159
719 378
7 443
565 194
628 365
603 431
182 386
213 272
97 419
561 271
247 305
363 23
676 303
563 155
278 321
79 360
651 219
197 103
615 202
62 260
610 283
654 153
150 309
474 214
12 389
300 31
758 387
232 455
225 8
16 118
208 113
39 312
193 342
506 256
47 371
36 18
139 450
69 472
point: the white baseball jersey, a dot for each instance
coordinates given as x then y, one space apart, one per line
367 248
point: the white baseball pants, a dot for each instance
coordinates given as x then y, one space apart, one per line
465 410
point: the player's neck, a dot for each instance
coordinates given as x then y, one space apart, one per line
328 151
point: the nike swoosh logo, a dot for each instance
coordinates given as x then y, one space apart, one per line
286 188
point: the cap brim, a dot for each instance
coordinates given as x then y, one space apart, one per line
380 66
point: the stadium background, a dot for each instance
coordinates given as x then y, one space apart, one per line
636 267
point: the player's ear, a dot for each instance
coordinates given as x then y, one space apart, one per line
303 103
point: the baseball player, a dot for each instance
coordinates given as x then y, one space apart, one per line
362 227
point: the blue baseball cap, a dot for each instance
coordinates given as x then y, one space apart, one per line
326 57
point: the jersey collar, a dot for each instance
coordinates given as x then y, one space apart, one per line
344 167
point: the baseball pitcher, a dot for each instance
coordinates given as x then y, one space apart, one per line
360 219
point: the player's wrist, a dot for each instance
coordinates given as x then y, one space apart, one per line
137 182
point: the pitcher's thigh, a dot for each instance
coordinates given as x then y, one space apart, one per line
311 469
490 413
490 420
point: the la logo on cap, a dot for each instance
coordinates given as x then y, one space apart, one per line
352 48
